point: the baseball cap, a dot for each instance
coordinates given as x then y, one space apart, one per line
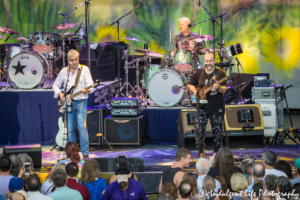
15 184
122 178
297 163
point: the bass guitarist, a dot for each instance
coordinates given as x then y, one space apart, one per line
215 108
84 79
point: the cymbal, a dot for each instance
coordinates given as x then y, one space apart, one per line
208 50
133 39
63 26
4 38
203 38
69 34
149 53
21 38
8 30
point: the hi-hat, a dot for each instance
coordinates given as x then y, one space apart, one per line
21 38
202 38
63 26
149 53
8 30
133 39
4 38
69 34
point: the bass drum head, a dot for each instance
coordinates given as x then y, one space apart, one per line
26 70
162 88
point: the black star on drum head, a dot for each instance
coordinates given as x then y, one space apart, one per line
19 68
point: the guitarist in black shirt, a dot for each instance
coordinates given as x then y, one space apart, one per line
215 108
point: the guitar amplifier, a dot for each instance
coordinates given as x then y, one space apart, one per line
124 112
125 102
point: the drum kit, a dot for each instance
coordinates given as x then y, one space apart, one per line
32 63
165 85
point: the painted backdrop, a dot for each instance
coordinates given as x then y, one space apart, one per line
269 30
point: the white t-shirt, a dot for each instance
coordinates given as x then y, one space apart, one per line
276 172
4 181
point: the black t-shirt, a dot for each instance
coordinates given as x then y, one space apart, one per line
215 99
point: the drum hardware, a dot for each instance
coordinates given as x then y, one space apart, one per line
3 38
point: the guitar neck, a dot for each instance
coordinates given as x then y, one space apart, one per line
79 92
220 81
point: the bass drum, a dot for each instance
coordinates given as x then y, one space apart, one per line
162 88
26 69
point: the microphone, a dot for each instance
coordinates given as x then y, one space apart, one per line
62 14
191 25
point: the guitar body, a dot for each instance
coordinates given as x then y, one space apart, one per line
61 104
59 136
202 94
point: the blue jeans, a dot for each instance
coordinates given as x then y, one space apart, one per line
79 113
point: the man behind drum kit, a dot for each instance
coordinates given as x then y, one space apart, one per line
215 108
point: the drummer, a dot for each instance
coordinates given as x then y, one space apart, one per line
180 39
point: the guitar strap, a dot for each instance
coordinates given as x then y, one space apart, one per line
78 76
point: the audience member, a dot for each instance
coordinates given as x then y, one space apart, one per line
72 153
124 188
271 185
239 184
16 165
170 188
297 172
257 187
258 174
285 187
191 177
208 186
202 168
296 192
175 172
5 166
17 196
285 167
223 165
90 177
185 190
122 161
246 167
62 192
72 172
25 158
165 196
269 160
33 185
48 184
15 184
224 189
197 197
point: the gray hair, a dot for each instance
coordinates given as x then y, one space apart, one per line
208 183
270 157
16 165
271 182
59 177
202 166
165 196
26 158
259 173
185 18
197 197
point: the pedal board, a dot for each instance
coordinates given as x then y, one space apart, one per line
126 112
125 103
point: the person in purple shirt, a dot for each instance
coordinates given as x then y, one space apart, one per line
124 188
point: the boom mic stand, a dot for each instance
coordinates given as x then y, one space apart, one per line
118 25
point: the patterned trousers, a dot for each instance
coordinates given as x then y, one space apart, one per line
200 126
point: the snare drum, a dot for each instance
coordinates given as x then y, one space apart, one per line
42 42
163 87
26 69
150 70
183 60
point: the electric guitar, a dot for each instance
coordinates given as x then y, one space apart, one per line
205 90
61 105
61 137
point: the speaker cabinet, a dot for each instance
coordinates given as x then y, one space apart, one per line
34 151
231 117
110 164
94 123
236 137
124 131
185 126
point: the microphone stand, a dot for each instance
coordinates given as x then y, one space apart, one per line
118 25
191 25
213 22
66 122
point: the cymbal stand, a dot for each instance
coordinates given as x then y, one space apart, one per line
126 83
137 89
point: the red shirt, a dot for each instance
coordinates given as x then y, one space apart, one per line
73 184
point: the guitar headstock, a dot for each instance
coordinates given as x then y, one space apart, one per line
97 82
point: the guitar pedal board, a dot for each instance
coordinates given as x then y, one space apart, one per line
125 112
125 103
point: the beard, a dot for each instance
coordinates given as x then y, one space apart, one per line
209 67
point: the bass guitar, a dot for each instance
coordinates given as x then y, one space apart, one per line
61 105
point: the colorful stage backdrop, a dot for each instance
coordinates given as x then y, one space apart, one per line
269 30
